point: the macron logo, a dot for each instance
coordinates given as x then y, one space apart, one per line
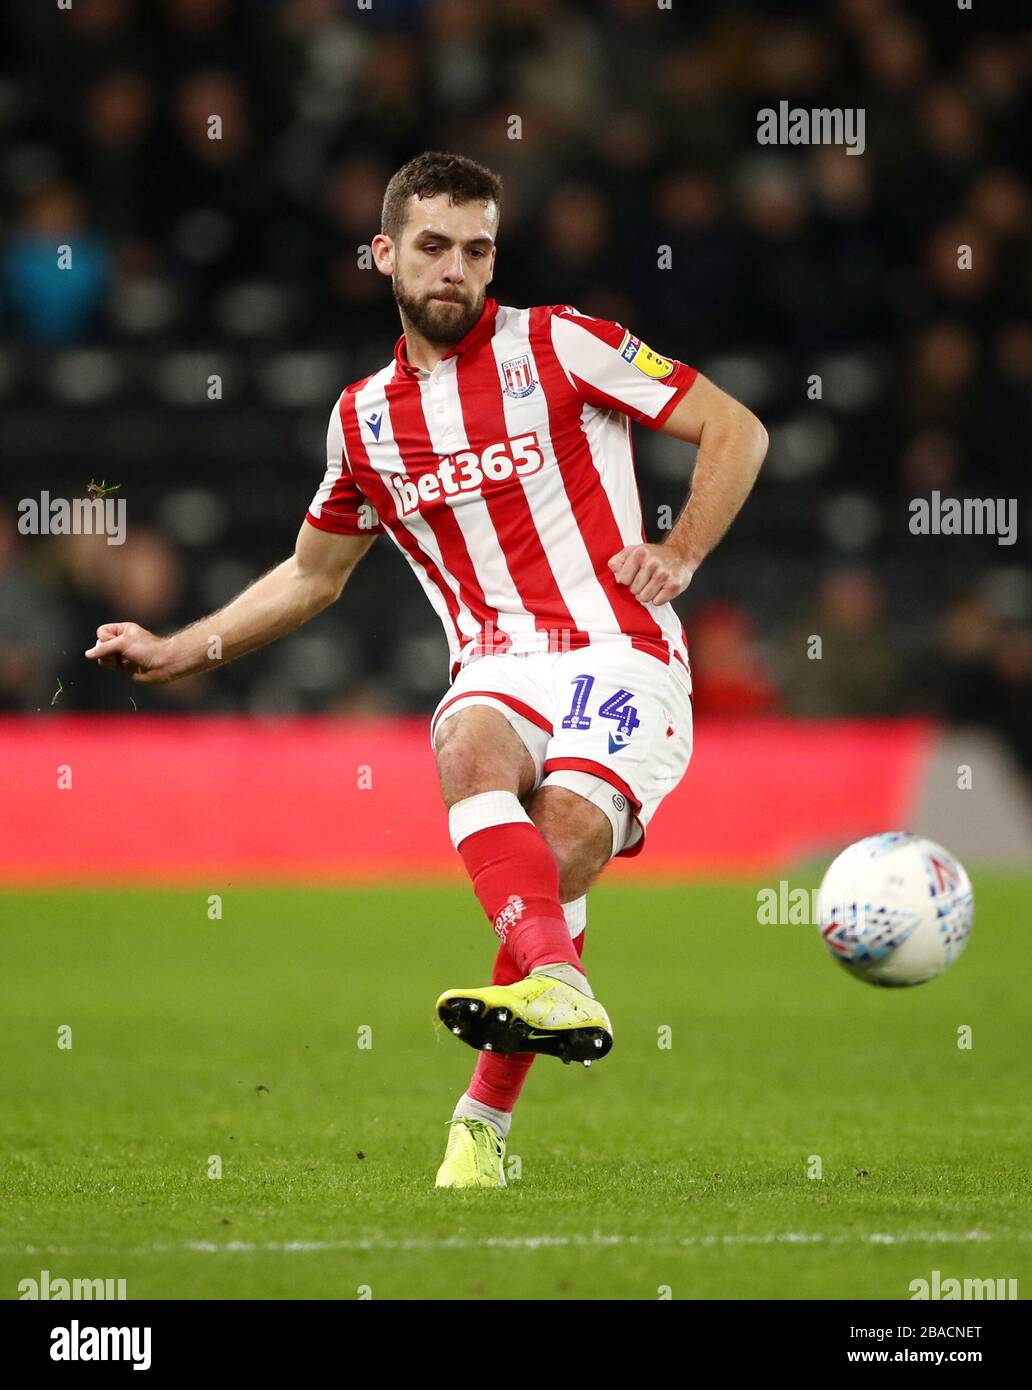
374 422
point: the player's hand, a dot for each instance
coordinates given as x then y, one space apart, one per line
653 572
130 648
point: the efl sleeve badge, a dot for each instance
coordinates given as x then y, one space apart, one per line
639 355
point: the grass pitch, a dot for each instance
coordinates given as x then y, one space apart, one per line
683 1167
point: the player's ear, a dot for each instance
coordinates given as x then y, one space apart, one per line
382 248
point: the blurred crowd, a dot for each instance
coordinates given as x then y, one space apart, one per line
821 288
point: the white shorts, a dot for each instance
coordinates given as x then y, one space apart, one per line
607 721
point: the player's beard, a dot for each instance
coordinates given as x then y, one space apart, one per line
438 323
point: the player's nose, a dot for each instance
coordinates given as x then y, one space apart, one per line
453 271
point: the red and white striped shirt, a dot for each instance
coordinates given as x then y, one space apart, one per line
506 478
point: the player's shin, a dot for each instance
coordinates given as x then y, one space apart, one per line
515 877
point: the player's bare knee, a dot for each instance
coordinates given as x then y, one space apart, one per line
477 751
465 768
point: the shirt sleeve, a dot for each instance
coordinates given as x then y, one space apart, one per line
339 505
611 368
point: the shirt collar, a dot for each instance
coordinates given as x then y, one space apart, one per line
482 329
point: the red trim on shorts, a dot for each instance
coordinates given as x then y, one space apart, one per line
517 705
597 770
604 774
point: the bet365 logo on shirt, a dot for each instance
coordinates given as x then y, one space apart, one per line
467 472
639 355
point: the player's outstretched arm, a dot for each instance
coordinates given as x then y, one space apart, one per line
732 446
272 606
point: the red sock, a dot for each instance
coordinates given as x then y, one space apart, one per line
498 1077
516 878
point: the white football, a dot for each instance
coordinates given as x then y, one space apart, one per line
896 909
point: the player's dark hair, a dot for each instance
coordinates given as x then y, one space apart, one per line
432 173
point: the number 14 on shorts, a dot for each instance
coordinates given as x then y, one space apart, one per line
617 708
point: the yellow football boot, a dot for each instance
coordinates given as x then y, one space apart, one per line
538 1014
473 1157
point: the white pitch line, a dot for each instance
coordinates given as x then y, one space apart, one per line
597 1238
